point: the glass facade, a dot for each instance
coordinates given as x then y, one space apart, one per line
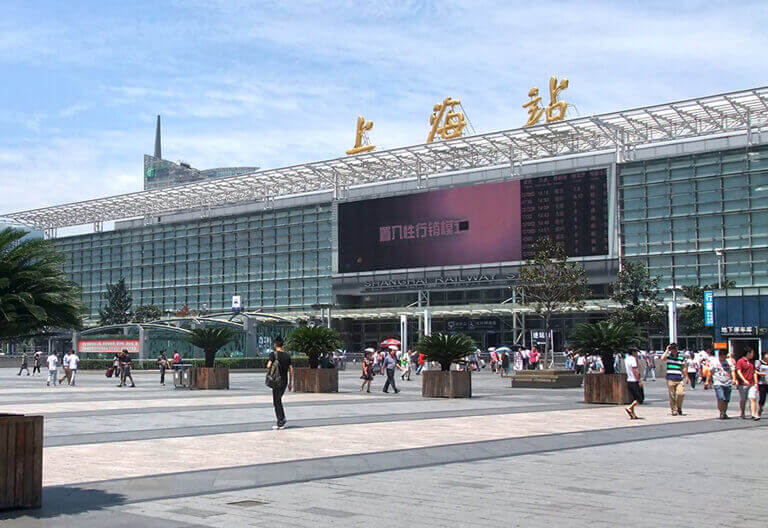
676 211
273 259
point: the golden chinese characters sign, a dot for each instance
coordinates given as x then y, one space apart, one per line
555 110
446 121
361 143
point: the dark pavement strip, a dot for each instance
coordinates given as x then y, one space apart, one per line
195 483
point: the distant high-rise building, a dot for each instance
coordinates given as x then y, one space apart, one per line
160 173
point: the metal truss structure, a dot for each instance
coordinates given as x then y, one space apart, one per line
466 310
736 112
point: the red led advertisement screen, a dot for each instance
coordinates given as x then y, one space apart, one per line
494 222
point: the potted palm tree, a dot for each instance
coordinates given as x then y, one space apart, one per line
446 349
314 341
211 340
605 339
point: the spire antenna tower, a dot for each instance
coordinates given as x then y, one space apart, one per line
158 149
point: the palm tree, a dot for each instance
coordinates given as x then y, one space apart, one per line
313 341
35 293
446 348
605 338
211 340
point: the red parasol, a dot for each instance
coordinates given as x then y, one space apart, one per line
390 342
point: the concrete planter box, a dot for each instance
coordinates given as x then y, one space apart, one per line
210 378
315 380
606 388
546 379
21 461
446 384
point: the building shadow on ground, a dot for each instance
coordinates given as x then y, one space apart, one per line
67 500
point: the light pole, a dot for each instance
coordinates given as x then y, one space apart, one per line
672 313
719 253
323 308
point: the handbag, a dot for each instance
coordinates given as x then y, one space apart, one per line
110 371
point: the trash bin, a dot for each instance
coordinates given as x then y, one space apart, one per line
182 376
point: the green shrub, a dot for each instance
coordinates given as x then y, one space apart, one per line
313 341
446 348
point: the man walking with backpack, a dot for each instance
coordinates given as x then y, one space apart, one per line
279 377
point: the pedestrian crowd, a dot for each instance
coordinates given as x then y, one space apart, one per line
387 362
69 362
717 370
712 369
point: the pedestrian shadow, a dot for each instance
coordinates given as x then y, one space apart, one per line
67 500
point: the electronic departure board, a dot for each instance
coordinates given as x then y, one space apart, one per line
571 209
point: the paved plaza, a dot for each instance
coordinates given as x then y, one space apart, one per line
155 456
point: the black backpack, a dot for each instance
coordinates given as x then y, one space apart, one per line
274 377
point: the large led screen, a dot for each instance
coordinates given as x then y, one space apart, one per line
495 222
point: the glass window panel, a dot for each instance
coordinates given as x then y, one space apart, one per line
633 192
657 190
736 220
710 184
708 202
681 173
658 230
632 179
682 188
634 227
634 204
760 200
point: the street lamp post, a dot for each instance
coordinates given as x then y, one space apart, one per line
323 308
672 313
719 255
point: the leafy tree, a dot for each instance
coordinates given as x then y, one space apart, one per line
550 283
146 313
446 348
605 338
211 340
691 317
35 293
118 308
313 341
638 292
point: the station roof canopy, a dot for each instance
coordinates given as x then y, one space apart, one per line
729 113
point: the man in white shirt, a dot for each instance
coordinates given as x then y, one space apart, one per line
52 361
634 384
74 359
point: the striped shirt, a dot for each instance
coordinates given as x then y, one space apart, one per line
675 364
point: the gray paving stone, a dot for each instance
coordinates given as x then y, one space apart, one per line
572 479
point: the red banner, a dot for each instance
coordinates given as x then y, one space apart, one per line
108 346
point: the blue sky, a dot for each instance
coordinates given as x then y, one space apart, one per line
280 83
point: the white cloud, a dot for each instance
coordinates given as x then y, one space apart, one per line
73 109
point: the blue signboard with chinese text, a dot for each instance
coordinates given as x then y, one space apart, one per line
709 308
